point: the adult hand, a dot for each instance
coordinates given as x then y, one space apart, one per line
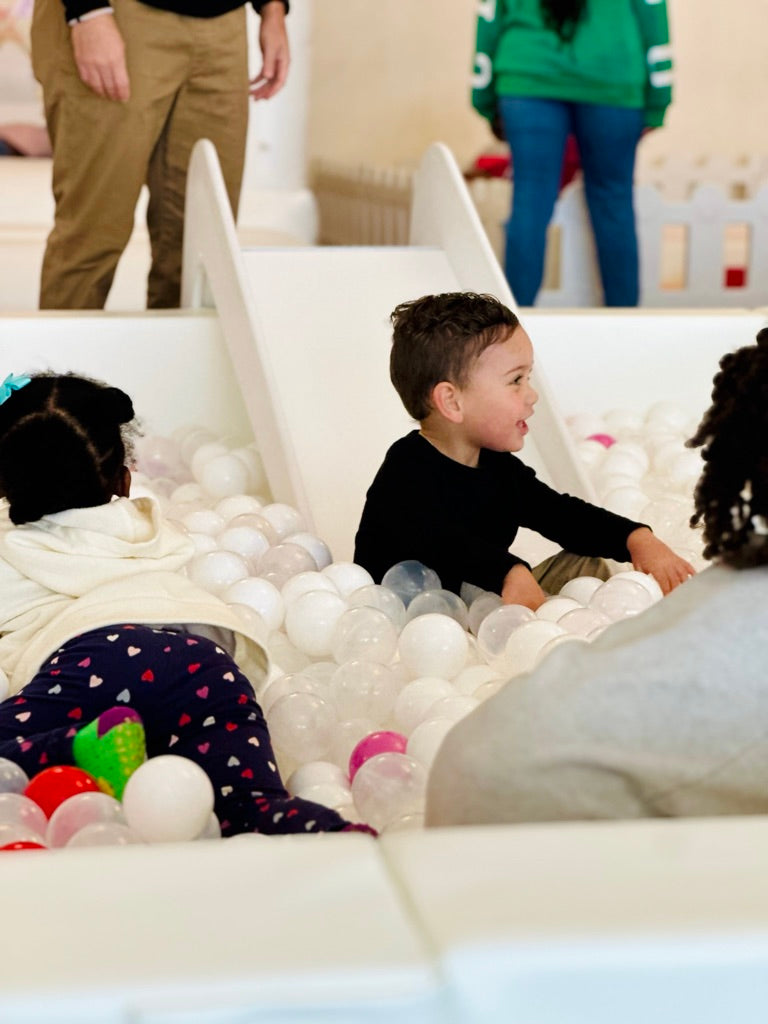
275 56
100 57
651 555
521 588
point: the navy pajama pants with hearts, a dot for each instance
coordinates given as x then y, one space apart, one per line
194 701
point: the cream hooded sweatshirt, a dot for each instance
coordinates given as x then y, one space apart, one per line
77 570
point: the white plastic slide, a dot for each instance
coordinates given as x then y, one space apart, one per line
308 332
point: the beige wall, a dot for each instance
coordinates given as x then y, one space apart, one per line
389 78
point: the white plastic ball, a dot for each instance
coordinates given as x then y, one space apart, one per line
644 579
224 476
255 466
388 787
433 645
524 645
203 454
623 421
364 634
454 707
497 627
302 725
188 493
310 621
203 543
292 682
427 738
558 641
666 415
238 505
347 576
373 595
584 621
410 578
473 676
260 595
303 583
319 550
255 521
555 607
626 501
81 810
347 735
217 570
590 452
315 773
284 519
190 439
416 698
581 588
203 520
249 543
168 799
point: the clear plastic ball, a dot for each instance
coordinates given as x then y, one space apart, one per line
20 810
104 833
217 570
168 799
620 599
497 627
81 810
364 689
389 787
255 521
311 619
319 550
315 773
283 561
346 738
558 641
189 439
13 779
441 602
433 645
159 457
302 726
583 621
644 579
291 682
364 634
409 578
303 583
555 607
260 595
374 595
482 606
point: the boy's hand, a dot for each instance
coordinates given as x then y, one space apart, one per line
521 588
649 554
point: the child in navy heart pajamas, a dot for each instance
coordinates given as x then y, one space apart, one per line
94 613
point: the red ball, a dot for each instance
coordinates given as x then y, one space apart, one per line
382 742
23 844
55 785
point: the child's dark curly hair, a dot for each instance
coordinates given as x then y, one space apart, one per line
731 497
64 440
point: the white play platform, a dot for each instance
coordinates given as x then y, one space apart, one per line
560 924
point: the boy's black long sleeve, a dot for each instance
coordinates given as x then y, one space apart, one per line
460 521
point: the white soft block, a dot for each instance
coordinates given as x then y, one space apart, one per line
257 928
663 921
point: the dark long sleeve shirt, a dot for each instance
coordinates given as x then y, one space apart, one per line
461 520
74 9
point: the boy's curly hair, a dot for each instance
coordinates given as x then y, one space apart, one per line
731 496
438 337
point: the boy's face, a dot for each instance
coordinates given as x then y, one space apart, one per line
498 398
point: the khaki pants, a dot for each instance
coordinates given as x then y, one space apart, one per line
553 573
189 80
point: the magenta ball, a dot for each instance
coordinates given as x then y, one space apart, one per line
374 743
604 439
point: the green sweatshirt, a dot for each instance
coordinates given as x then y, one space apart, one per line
619 56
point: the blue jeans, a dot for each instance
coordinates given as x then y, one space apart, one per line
607 136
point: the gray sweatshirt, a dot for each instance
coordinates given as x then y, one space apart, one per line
665 714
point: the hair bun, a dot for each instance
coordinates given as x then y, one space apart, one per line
118 403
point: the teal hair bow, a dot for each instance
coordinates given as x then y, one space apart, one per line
11 384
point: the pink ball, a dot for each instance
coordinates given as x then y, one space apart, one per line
374 743
604 439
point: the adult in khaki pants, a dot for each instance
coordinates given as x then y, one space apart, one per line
128 90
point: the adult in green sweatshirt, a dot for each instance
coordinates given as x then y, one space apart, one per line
600 70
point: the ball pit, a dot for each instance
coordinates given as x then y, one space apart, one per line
367 679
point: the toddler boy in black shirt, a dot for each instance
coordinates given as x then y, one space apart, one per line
451 495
